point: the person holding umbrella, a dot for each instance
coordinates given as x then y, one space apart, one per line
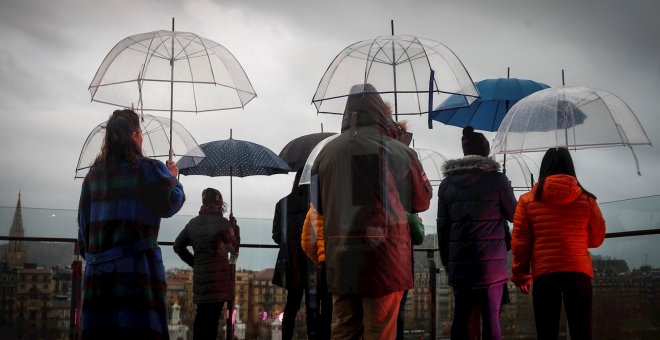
364 183
554 226
212 237
123 197
475 201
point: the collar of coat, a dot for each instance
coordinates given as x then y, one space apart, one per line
469 162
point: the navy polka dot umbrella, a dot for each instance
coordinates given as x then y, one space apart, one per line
234 157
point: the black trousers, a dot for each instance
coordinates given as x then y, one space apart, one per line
574 289
207 319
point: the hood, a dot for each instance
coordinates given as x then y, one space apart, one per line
469 169
470 162
559 189
370 109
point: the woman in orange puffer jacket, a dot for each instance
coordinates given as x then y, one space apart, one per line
553 227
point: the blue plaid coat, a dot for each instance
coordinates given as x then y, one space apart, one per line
119 218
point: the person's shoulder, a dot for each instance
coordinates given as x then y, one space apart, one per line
151 163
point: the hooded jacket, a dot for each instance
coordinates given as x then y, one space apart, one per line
553 234
475 201
212 237
367 181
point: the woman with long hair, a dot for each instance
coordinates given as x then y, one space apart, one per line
554 226
122 200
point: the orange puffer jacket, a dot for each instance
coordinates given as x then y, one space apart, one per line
554 233
311 239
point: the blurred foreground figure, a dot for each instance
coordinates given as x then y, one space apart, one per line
364 183
555 225
213 238
122 200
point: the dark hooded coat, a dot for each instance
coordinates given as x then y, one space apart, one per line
367 180
475 201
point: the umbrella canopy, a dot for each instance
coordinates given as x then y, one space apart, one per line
171 71
149 70
521 170
432 162
234 157
572 117
399 67
296 152
155 144
487 112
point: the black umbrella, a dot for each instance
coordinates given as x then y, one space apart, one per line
233 157
295 153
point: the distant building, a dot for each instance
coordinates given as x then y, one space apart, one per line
34 297
16 250
266 302
35 301
180 293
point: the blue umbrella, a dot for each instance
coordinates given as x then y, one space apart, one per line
486 113
233 157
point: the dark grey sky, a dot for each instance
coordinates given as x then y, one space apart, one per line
50 50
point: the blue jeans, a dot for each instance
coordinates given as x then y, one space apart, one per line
487 301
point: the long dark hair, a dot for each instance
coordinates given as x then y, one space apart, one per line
556 161
118 144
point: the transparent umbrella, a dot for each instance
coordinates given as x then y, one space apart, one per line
572 117
400 68
521 171
155 144
170 71
432 162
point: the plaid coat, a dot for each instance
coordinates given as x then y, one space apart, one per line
119 219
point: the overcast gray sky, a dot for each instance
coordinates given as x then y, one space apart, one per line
50 50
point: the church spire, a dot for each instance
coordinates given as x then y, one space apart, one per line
16 249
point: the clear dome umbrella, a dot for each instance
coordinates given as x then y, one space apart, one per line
400 68
572 117
171 71
432 162
155 144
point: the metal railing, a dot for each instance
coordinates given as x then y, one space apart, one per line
433 270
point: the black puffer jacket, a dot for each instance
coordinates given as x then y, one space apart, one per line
367 181
474 203
212 238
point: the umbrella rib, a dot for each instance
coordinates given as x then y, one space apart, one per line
412 72
208 57
478 104
192 76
